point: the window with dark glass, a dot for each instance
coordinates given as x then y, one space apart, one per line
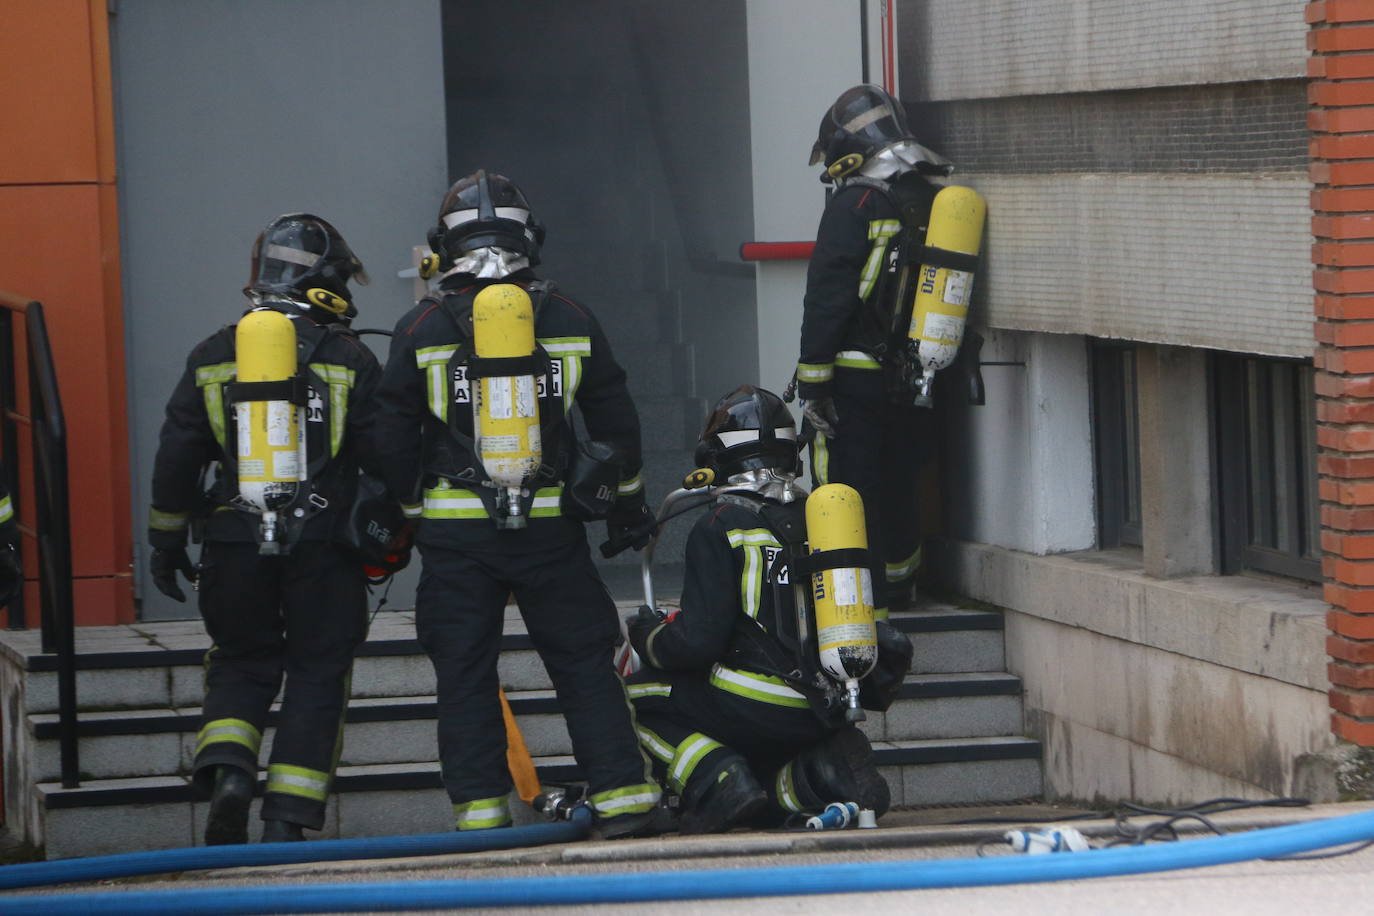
1266 450
1116 434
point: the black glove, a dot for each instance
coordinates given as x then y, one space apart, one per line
11 573
630 524
821 413
639 625
880 687
165 564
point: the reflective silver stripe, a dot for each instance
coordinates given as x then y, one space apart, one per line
630 486
413 510
434 362
292 780
786 792
640 800
815 372
752 686
655 745
232 731
482 813
863 119
7 510
896 572
820 459
293 255
856 359
636 691
879 231
751 580
755 537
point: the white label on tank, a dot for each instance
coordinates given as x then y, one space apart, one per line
536 441
250 468
499 401
845 634
958 287
943 328
279 423
524 396
500 445
284 465
243 419
846 586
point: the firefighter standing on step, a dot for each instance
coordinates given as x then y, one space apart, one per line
867 434
302 612
716 704
11 572
480 542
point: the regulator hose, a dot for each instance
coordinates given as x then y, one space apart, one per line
100 868
707 884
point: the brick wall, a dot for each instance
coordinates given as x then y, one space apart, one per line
1342 144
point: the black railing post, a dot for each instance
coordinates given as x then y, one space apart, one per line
54 525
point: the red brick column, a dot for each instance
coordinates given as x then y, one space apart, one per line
1342 144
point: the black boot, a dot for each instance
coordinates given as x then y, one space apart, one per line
841 768
722 796
227 822
281 832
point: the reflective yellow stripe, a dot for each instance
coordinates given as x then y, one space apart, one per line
482 814
7 510
686 757
856 359
570 351
757 537
629 487
455 502
229 731
897 572
340 380
210 379
433 361
412 510
820 459
879 231
636 691
751 580
785 790
815 372
157 519
634 799
290 780
752 686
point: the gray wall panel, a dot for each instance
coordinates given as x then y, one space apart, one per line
229 113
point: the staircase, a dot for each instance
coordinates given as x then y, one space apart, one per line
954 736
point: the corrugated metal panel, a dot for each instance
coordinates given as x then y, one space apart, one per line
960 49
1219 261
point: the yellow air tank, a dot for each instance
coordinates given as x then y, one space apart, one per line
271 442
845 634
945 282
505 408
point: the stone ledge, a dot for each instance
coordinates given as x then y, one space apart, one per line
1269 629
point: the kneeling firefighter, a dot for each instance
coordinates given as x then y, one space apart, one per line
281 402
474 420
748 694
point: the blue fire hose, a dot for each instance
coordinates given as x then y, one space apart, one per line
100 868
700 885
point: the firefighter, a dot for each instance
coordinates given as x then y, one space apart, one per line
866 433
736 734
11 572
484 535
289 602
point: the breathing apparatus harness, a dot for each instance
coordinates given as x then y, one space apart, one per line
790 652
538 364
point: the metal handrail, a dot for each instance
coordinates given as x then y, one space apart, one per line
52 516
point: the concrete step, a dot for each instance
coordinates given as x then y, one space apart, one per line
127 815
160 665
387 730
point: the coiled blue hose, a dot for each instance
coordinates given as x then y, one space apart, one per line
699 885
99 868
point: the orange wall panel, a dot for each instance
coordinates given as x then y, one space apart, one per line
55 245
49 105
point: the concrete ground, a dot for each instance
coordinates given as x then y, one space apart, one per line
1328 886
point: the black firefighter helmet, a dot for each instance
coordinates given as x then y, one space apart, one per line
303 259
485 210
749 429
